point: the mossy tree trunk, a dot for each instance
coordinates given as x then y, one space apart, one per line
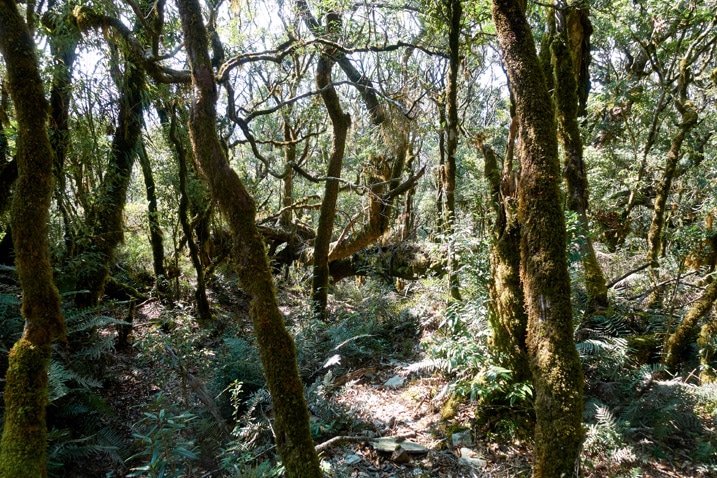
455 12
105 220
655 240
705 343
678 343
276 346
554 361
200 293
508 319
156 236
24 439
567 103
63 41
341 123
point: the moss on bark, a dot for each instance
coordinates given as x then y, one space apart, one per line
508 319
455 12
276 346
678 343
24 440
554 362
324 230
105 220
566 101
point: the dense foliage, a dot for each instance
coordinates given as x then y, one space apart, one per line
379 160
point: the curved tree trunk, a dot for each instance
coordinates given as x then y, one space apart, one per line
567 104
654 236
678 343
554 361
105 218
24 439
276 346
324 230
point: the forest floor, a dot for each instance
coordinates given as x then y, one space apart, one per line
386 399
373 399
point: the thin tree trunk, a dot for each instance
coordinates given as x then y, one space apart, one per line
655 240
24 439
156 237
705 343
454 63
324 230
276 346
63 46
554 361
567 102
200 292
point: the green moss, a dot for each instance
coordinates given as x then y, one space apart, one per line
24 439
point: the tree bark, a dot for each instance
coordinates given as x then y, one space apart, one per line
402 261
341 123
63 45
276 346
24 439
455 12
679 341
657 225
105 218
508 319
567 104
554 361
200 292
156 237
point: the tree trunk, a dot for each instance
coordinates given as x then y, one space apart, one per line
679 341
105 218
454 63
554 361
402 261
200 293
24 439
654 236
156 237
508 319
325 228
705 343
567 103
63 45
276 346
